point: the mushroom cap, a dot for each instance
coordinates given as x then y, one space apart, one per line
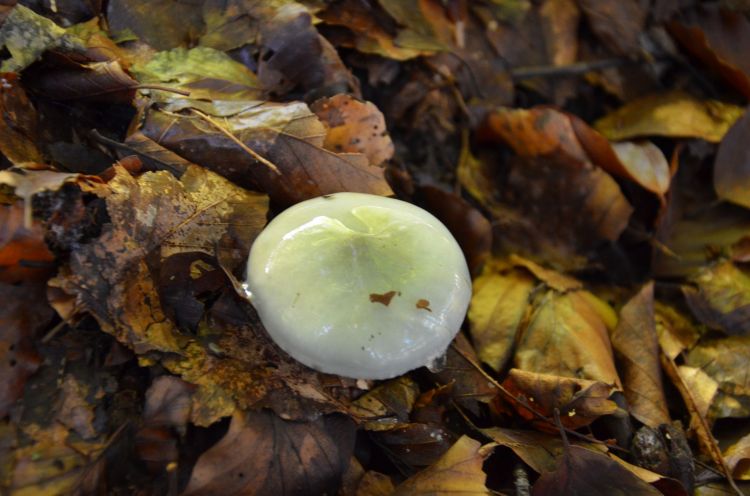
359 285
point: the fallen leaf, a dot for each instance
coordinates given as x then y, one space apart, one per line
674 114
23 253
718 37
723 360
94 81
287 135
468 386
636 346
23 314
471 229
169 24
27 35
582 471
566 336
732 165
737 457
617 24
54 463
498 305
19 133
721 298
262 454
702 387
205 72
424 25
387 405
73 409
415 445
676 332
354 126
459 470
645 164
551 202
579 401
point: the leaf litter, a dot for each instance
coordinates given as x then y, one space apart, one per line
587 156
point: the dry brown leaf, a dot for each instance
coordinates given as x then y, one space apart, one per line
73 409
23 314
55 463
725 362
498 305
721 299
617 23
387 405
263 454
676 332
567 336
458 471
702 387
415 444
732 165
287 135
719 38
579 401
23 253
354 126
637 347
549 201
582 471
737 457
154 218
675 115
19 138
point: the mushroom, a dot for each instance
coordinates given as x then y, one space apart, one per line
359 285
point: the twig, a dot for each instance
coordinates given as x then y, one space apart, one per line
521 73
707 439
160 88
239 143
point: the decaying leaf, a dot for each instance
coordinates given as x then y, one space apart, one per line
205 72
579 401
459 470
737 457
354 127
721 298
637 347
263 454
387 405
723 360
551 173
582 471
287 135
732 166
153 218
719 38
674 114
164 26
23 314
19 129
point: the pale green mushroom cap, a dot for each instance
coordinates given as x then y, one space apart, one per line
359 285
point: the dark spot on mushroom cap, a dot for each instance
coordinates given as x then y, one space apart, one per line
423 304
384 298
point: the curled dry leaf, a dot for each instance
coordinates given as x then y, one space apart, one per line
579 401
459 470
550 200
721 298
263 454
354 126
719 38
675 115
636 345
732 165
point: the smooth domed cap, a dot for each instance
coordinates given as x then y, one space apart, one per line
359 285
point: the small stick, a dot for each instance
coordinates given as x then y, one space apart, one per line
239 143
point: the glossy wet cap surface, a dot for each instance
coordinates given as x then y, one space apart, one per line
359 285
